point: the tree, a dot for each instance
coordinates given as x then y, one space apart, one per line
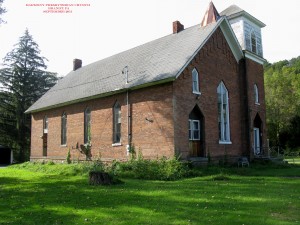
22 81
2 11
282 88
290 137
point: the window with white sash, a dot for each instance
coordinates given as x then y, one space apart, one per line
223 114
194 130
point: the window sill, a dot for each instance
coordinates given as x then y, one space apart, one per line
225 142
116 144
63 146
196 92
257 103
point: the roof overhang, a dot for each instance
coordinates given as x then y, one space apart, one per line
248 16
107 94
231 39
254 57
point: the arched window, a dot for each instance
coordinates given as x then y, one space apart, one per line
87 126
45 125
253 42
223 114
117 123
195 77
256 96
64 129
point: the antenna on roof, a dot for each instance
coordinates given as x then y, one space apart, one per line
125 71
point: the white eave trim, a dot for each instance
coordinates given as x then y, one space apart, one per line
249 17
232 40
254 57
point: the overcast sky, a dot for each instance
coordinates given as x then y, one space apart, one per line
107 27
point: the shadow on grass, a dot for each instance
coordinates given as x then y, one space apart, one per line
57 199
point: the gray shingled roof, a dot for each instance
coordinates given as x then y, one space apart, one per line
159 60
231 10
235 11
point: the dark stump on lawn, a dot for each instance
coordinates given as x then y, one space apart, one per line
100 178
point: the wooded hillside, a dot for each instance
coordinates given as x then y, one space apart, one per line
282 87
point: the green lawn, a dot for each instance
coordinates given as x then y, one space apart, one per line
250 196
293 160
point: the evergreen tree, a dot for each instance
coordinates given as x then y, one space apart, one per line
2 11
22 81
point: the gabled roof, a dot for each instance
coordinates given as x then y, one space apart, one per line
234 11
158 61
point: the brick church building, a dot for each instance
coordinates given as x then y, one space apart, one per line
197 93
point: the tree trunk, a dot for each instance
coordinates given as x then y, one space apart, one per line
100 178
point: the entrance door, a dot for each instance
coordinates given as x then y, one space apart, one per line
256 141
196 133
195 138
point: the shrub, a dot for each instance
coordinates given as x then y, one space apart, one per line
159 169
69 157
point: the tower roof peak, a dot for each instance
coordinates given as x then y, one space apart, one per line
211 15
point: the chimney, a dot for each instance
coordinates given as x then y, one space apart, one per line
77 63
177 27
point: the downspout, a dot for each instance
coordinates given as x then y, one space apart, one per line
128 146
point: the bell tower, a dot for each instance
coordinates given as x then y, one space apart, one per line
246 28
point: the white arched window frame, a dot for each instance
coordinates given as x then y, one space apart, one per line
256 94
223 114
64 129
195 77
253 42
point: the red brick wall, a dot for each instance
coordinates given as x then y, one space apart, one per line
215 63
255 75
159 114
151 117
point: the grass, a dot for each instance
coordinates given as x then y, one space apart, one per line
292 160
60 194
